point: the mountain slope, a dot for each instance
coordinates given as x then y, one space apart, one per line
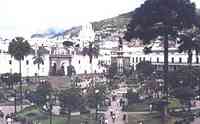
109 25
104 28
117 22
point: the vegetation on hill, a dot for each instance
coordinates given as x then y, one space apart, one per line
118 22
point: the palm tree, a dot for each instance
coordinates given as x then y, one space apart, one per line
92 51
19 48
39 59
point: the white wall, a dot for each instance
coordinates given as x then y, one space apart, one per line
27 69
84 64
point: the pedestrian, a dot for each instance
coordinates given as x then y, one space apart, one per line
113 98
1 114
140 122
111 113
124 117
9 120
113 117
106 121
7 116
120 102
150 107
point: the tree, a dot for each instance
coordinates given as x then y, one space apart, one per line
185 94
93 50
39 58
19 48
127 71
68 43
164 19
39 97
112 71
70 70
70 99
183 83
189 42
133 97
6 78
145 69
184 77
94 98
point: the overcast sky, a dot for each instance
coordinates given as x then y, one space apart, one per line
24 17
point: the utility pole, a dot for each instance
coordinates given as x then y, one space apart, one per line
96 93
15 102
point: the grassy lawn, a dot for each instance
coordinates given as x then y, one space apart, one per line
139 107
74 119
174 103
149 119
144 106
33 113
63 119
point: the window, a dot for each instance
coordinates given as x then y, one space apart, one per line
99 62
157 60
172 59
143 58
79 61
136 59
174 67
27 62
197 60
180 60
10 62
150 60
155 66
140 59
133 60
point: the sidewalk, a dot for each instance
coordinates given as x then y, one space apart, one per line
2 121
117 109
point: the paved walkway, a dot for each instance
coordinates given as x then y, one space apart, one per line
117 110
3 121
7 110
197 121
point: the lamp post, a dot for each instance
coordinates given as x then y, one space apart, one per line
15 102
96 92
12 79
198 81
50 108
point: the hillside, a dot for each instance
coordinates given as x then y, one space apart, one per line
117 22
105 29
107 26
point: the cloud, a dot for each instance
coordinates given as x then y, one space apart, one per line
23 17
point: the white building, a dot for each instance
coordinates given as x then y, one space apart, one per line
135 54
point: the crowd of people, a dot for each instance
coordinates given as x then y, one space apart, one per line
9 118
114 112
